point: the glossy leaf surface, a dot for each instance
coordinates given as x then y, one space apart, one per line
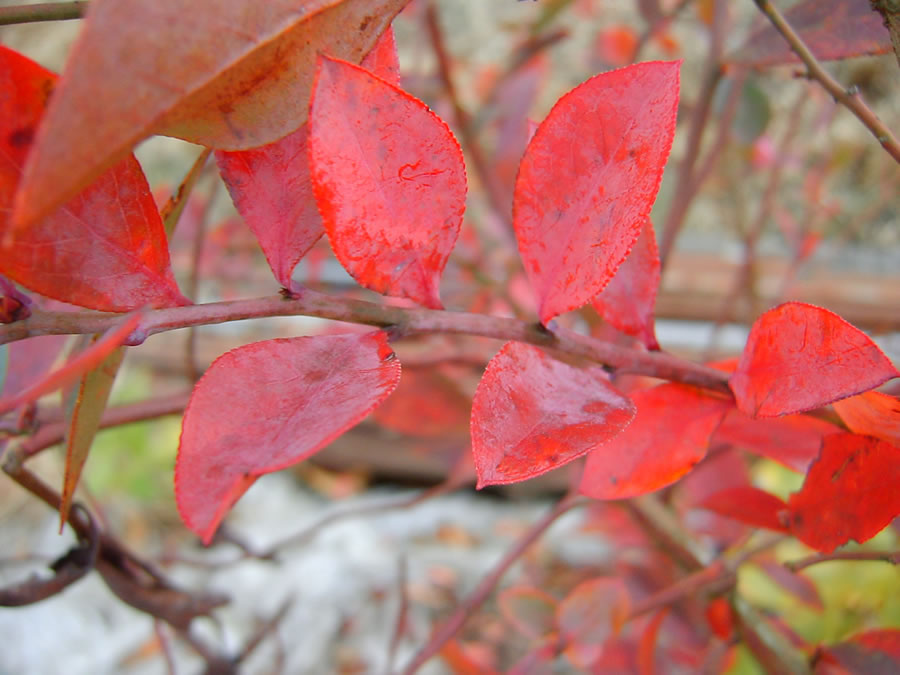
270 186
850 492
799 357
267 405
532 413
872 413
226 74
84 407
836 29
588 179
628 300
792 440
749 505
106 248
669 435
389 181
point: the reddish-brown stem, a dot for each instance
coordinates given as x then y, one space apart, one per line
47 11
848 98
477 597
686 185
892 557
407 321
657 26
52 433
463 121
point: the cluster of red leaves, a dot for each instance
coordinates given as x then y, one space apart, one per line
383 177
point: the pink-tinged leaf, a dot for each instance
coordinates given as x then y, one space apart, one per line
629 299
792 440
532 413
668 436
749 505
647 644
87 360
270 185
427 403
382 60
30 359
837 29
799 357
592 612
874 652
872 413
850 492
222 74
796 584
389 181
106 248
724 469
271 190
588 179
530 611
267 405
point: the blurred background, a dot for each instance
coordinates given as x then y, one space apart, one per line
779 195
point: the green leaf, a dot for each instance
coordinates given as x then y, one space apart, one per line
84 405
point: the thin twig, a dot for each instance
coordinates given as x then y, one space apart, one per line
477 597
463 120
402 612
48 11
849 98
686 185
892 557
407 321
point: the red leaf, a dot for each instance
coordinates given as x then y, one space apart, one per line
749 505
389 181
383 60
629 299
532 413
799 357
588 179
106 248
872 413
669 435
647 645
850 492
271 189
30 359
267 405
228 76
874 652
426 403
593 611
837 29
87 360
792 440
720 618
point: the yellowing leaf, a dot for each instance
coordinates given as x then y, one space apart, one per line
85 404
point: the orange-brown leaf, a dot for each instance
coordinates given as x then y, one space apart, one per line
228 74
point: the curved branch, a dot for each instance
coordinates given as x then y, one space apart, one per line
67 569
847 97
47 11
405 321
